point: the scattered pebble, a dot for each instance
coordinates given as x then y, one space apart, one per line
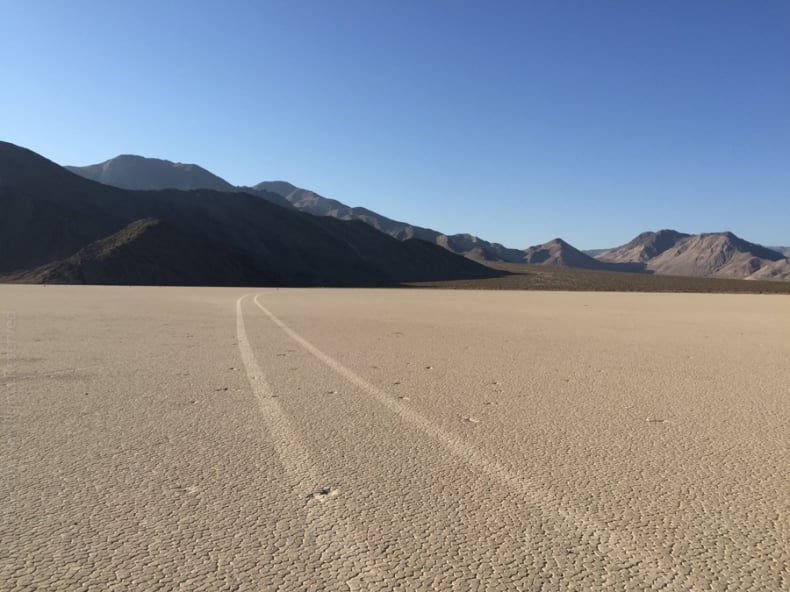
324 494
405 398
429 367
472 419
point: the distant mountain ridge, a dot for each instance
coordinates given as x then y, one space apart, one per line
60 227
716 254
661 252
643 248
463 244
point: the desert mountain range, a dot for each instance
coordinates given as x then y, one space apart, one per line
669 252
60 227
719 254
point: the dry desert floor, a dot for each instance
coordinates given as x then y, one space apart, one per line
230 439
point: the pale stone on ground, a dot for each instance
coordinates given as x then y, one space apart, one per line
176 438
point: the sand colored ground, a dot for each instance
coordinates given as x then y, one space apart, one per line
163 439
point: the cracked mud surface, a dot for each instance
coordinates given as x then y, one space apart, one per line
211 439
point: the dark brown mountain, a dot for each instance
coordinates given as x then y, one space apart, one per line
717 254
149 252
57 226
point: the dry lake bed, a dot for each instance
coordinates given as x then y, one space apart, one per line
237 439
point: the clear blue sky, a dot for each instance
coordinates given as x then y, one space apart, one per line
516 121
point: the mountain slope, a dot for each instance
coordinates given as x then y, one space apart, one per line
718 254
463 244
643 248
302 199
777 270
51 215
149 252
148 173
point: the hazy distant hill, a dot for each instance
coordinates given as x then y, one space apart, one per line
719 254
57 226
129 171
783 250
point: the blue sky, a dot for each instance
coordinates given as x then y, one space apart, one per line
515 121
